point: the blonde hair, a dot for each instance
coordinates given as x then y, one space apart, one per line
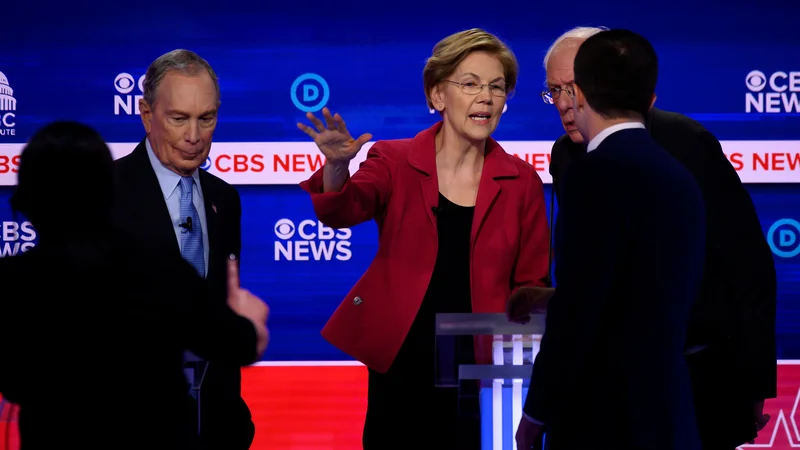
450 51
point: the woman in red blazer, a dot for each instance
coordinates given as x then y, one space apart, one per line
462 225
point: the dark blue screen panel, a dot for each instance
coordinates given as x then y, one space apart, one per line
370 56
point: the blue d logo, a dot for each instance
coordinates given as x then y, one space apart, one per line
784 238
310 92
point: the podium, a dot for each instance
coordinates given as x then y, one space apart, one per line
194 369
499 371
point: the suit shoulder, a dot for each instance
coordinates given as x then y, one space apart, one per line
526 170
687 140
671 167
564 143
670 123
131 164
528 178
124 163
218 184
564 150
392 148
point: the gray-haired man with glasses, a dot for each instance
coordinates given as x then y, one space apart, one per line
731 341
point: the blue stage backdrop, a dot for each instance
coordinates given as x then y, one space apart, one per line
734 67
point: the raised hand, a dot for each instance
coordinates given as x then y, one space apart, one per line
333 139
247 305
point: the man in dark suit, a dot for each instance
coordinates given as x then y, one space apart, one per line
731 341
610 373
163 197
95 322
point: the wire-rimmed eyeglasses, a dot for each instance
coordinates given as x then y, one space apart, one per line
551 95
472 88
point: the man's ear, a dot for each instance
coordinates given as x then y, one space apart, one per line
580 99
146 112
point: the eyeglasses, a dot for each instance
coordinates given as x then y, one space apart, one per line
551 95
472 88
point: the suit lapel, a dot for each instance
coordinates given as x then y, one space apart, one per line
422 157
151 208
495 166
430 192
212 222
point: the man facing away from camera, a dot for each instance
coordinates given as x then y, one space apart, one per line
731 341
611 373
94 322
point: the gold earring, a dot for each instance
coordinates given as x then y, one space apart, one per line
441 105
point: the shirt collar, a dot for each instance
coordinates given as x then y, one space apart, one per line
594 143
167 179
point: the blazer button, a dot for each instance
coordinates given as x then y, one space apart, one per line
357 301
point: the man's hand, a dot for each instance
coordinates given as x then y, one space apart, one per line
527 434
526 301
247 305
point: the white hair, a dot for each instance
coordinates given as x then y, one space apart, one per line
577 33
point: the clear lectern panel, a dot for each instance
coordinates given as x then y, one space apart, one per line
489 360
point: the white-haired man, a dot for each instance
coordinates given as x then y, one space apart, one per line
731 341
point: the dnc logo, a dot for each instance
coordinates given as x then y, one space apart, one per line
310 92
784 238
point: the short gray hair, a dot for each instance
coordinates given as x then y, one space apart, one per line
184 61
576 34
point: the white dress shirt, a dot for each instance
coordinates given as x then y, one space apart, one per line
170 187
594 143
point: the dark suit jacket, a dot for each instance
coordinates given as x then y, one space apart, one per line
397 186
141 210
610 372
93 331
736 310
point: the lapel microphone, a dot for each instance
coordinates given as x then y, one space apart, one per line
187 225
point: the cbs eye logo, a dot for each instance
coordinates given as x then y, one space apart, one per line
756 81
124 83
284 229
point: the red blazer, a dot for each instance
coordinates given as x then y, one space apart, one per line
397 186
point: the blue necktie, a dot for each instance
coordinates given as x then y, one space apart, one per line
192 233
192 251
